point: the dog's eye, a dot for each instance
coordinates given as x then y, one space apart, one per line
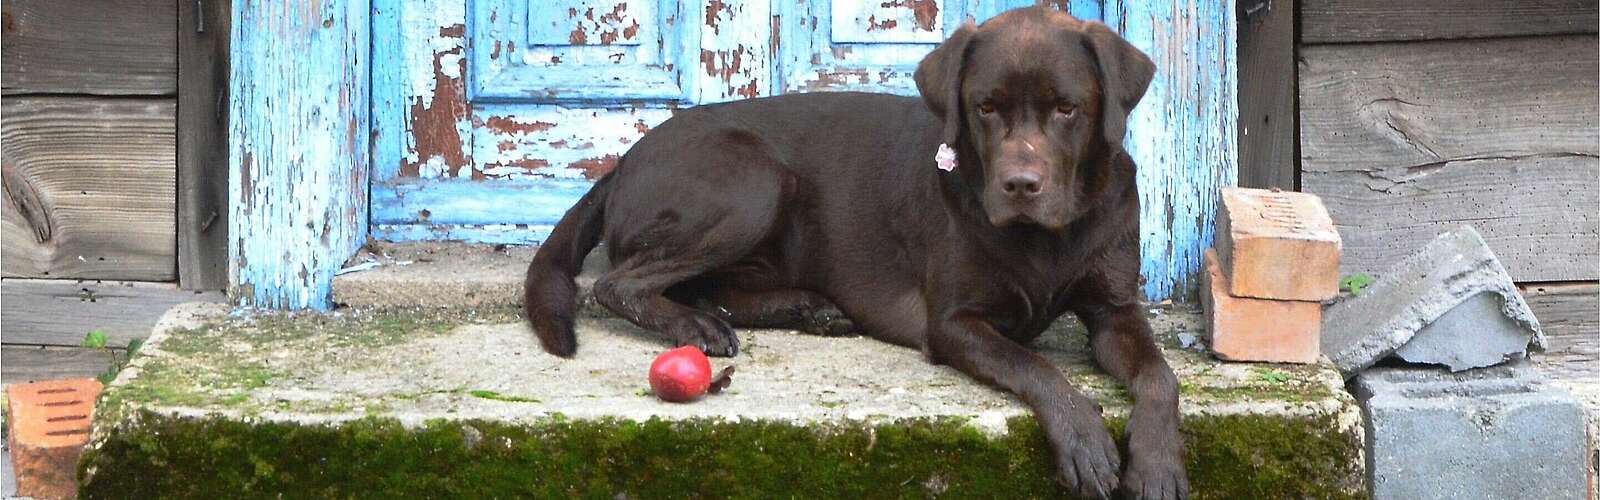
1066 110
985 108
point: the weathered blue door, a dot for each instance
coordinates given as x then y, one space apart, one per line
491 117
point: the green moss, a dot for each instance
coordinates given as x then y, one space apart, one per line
156 455
483 394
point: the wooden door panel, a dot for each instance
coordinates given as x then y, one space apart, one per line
581 50
863 45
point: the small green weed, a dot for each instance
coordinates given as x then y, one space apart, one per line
96 339
1354 283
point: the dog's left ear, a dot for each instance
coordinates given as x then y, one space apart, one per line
1125 73
938 79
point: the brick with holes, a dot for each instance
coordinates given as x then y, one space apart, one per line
49 424
1277 245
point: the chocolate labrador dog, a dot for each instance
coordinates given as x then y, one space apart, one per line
962 224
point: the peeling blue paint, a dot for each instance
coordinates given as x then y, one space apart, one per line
525 201
531 138
298 148
1182 135
590 52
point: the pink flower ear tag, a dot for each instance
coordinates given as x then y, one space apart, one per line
945 158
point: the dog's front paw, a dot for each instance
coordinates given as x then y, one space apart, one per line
709 333
1086 457
1155 474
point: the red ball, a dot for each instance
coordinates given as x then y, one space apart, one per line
680 375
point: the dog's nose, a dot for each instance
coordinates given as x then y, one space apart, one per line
1022 184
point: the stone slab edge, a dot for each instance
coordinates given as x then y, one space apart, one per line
1228 438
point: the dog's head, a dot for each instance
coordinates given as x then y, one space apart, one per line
1033 95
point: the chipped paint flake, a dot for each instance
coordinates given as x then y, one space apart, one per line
582 22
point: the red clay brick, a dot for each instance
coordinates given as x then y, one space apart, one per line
49 424
1247 329
1277 245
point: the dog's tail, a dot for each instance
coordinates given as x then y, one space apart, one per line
549 295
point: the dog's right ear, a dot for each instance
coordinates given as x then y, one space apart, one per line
939 80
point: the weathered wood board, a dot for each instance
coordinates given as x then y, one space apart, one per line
203 146
298 147
123 47
61 312
89 188
1183 134
1267 156
20 364
1333 21
1570 316
1404 140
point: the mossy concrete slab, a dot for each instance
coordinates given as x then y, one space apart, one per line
457 402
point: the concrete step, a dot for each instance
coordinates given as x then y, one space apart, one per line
457 401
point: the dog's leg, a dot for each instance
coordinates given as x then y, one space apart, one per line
1086 457
1125 348
792 308
635 294
680 217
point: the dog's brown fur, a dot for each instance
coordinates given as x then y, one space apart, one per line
825 212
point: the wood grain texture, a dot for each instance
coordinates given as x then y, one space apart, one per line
298 142
1333 21
21 364
202 143
1406 140
1570 316
1182 134
1267 114
89 188
124 47
60 312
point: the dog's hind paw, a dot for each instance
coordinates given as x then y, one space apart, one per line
709 333
829 321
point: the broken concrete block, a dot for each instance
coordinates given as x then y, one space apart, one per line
48 424
1246 329
1450 271
1499 432
1277 245
1473 334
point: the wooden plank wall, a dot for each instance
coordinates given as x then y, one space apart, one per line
89 169
1267 116
1419 116
203 32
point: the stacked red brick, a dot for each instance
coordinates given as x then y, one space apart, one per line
1275 261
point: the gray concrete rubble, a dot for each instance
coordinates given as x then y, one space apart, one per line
1453 298
1500 432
